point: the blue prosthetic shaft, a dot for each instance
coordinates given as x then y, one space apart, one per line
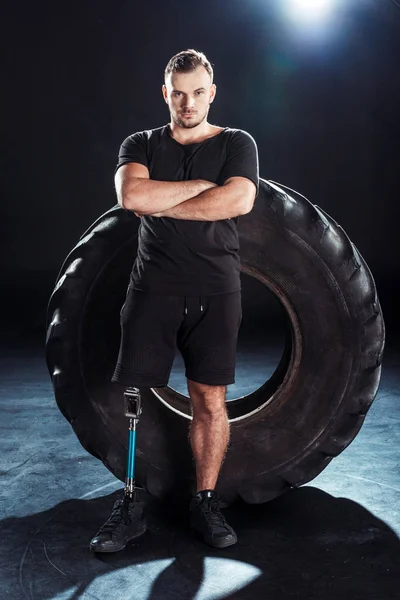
130 467
133 409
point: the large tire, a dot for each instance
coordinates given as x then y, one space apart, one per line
284 433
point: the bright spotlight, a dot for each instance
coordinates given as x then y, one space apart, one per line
310 9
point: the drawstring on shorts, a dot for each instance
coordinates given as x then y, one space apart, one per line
200 302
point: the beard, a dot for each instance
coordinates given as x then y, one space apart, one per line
190 124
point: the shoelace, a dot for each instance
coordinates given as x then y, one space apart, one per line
118 516
213 512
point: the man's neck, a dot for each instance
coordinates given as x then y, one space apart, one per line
195 135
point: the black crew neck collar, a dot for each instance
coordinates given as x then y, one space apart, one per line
168 128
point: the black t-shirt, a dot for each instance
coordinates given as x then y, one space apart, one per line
188 257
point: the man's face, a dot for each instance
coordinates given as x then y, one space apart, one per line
189 96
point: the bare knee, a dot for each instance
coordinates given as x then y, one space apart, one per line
206 387
208 401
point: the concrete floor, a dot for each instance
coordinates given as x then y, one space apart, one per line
336 537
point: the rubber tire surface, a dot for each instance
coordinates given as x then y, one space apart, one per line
283 434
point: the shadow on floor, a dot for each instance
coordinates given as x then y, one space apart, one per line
304 545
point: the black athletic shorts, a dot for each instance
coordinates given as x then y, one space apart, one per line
203 328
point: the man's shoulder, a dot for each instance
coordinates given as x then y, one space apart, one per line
237 136
238 133
147 134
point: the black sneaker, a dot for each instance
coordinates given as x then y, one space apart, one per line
206 518
125 523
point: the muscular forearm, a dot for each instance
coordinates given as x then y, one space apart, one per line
147 196
223 202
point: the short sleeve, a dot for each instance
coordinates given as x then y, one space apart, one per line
133 149
241 158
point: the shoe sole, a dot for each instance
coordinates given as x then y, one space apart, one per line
220 543
215 542
138 533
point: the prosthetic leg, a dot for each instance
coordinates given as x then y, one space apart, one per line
133 410
127 520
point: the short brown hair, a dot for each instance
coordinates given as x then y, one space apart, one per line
186 61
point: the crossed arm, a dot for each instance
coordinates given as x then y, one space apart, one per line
197 200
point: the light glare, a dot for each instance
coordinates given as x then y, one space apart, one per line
310 9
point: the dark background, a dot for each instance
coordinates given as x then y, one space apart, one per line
323 106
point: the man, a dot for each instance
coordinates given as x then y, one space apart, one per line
188 182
